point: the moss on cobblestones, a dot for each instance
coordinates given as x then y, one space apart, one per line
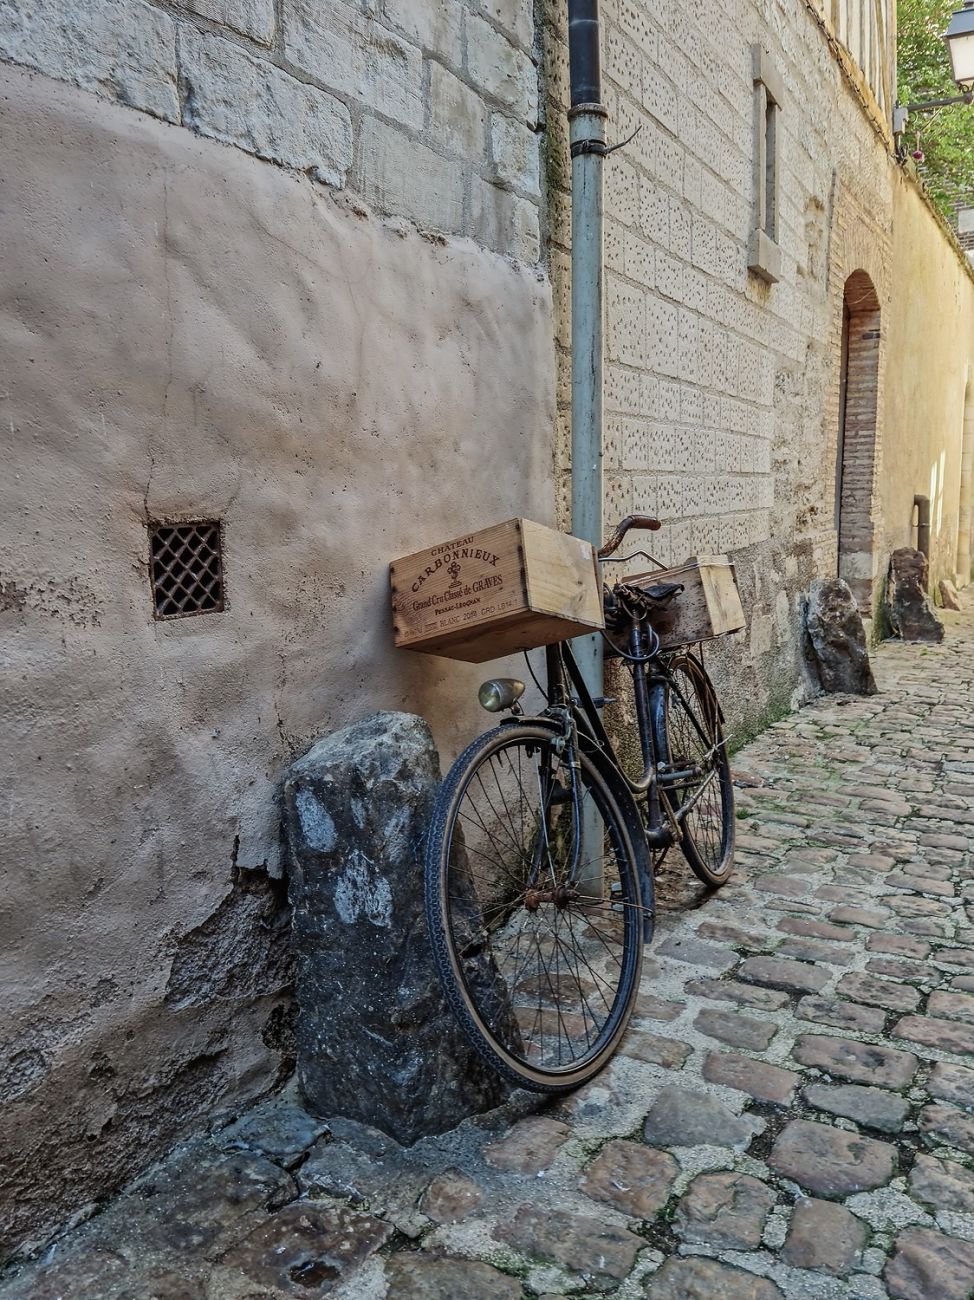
775 1119
659 1232
741 737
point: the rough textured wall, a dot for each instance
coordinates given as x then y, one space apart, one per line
188 332
925 395
719 386
427 108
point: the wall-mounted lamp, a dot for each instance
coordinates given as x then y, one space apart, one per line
959 39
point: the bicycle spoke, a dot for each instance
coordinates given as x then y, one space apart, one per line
703 803
547 972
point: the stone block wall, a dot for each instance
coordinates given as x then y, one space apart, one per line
428 109
717 382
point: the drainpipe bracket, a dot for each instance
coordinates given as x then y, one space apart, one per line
589 146
587 110
587 130
600 147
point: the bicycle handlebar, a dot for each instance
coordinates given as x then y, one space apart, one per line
630 521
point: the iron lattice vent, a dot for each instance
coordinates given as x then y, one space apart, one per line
186 568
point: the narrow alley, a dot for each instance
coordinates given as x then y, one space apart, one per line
792 1113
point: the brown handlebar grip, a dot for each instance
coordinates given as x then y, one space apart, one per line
630 521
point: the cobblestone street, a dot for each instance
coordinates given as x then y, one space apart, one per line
792 1113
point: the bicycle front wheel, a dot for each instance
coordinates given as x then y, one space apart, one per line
695 771
533 907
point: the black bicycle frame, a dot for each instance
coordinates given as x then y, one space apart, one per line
651 684
650 695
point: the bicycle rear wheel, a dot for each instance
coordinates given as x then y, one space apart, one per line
695 773
540 967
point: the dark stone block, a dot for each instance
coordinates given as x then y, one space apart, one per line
837 639
949 595
376 1040
908 609
680 1279
725 1211
602 1253
928 1263
830 1161
764 1082
824 1236
942 1184
859 1062
682 1118
874 1107
635 1179
305 1247
418 1277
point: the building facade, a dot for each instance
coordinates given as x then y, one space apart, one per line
788 421
286 296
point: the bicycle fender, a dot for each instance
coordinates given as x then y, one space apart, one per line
631 815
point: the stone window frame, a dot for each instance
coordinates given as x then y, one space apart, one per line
764 253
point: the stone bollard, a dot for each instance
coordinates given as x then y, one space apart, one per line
376 1041
837 638
910 613
949 595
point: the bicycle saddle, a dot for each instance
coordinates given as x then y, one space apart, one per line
630 600
663 592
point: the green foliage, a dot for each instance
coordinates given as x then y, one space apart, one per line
946 135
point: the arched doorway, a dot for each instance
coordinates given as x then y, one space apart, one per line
963 565
856 458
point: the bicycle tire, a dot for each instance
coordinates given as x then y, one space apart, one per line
691 735
584 968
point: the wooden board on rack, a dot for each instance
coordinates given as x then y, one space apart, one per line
709 605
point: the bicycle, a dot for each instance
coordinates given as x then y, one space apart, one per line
539 878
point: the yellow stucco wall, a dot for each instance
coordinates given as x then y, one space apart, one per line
929 341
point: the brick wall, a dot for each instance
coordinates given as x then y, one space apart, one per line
861 439
428 109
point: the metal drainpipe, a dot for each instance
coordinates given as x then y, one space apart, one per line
966 481
586 118
922 506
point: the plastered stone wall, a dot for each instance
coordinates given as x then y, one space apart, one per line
188 332
428 109
929 395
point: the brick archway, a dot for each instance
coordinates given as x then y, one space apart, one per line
857 453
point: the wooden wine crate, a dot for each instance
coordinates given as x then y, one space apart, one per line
709 605
511 587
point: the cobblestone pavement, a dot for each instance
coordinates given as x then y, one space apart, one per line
792 1113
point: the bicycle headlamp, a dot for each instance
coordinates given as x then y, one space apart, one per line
500 693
